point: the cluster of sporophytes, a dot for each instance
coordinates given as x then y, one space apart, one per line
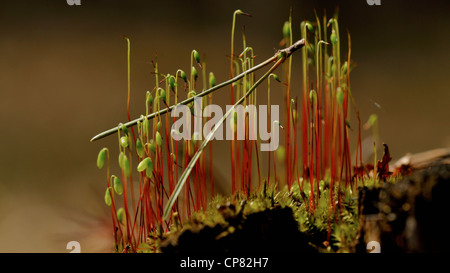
175 178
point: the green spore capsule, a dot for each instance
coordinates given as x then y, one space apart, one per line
124 129
121 215
152 146
339 95
196 55
144 164
108 201
194 73
140 148
344 68
172 82
117 184
372 119
145 126
313 96
124 141
191 148
126 166
275 77
158 126
183 75
121 155
286 30
163 94
158 139
149 97
281 153
309 27
101 158
333 37
212 80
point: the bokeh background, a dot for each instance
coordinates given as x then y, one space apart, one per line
63 80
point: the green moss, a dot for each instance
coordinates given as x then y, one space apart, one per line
325 230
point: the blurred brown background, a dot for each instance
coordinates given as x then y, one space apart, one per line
63 80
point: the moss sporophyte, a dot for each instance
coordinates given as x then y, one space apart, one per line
166 158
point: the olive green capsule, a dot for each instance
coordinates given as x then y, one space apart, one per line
212 80
313 96
121 215
339 95
145 126
126 166
174 158
117 184
330 21
295 115
124 141
191 148
149 98
183 75
372 119
144 164
275 77
124 128
149 172
344 68
194 73
163 94
158 139
281 153
139 125
286 30
333 37
108 201
309 27
196 56
158 126
121 155
101 158
139 148
151 145
172 82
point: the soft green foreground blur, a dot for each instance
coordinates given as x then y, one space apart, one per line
63 80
